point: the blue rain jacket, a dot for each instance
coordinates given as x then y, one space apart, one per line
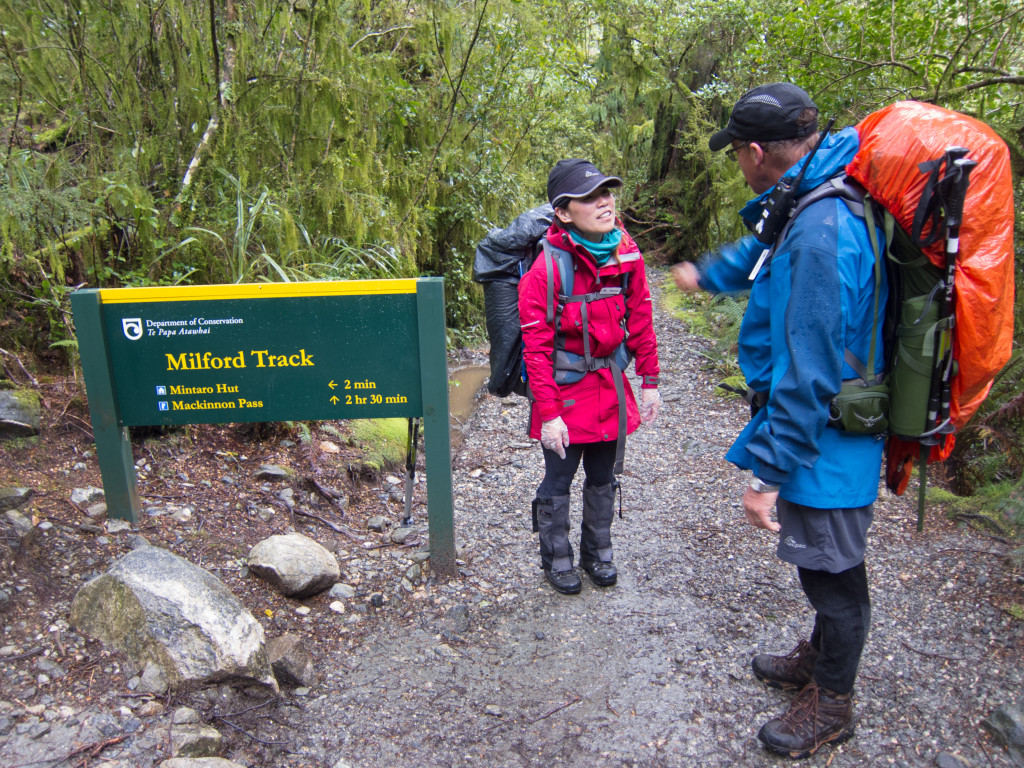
808 304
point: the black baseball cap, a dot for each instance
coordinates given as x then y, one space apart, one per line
767 113
575 178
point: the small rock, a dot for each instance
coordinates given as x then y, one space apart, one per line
337 606
291 661
376 599
273 472
493 710
153 679
118 526
22 525
181 515
342 592
86 496
402 535
184 715
11 498
96 510
193 740
328 447
458 618
150 709
377 523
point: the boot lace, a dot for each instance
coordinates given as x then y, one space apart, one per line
804 712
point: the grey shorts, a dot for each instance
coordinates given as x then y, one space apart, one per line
830 540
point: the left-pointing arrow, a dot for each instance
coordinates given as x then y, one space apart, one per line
331 384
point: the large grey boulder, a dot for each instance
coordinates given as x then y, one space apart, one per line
154 606
294 564
19 413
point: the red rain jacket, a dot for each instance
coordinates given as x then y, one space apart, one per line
589 408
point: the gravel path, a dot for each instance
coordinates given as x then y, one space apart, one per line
496 669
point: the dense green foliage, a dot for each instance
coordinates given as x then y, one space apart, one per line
165 141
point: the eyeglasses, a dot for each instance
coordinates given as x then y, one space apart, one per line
731 151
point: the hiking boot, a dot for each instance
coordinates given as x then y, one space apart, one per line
601 573
817 716
790 672
566 582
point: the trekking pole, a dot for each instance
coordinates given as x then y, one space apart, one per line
954 217
952 190
410 468
956 181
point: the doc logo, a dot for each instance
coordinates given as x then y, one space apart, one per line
132 327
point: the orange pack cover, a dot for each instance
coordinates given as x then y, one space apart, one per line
893 141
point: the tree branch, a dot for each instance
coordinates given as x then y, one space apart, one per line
960 91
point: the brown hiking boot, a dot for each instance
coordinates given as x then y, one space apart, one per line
790 672
817 716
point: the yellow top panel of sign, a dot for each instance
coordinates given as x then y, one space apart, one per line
256 291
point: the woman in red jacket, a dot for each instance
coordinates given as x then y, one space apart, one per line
577 341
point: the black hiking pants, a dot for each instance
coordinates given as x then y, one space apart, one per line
842 616
598 463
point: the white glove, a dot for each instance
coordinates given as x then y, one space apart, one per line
650 405
554 436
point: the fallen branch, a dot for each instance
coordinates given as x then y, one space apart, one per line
556 710
93 750
243 731
964 549
333 526
984 519
933 655
24 370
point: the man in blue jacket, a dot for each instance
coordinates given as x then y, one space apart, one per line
811 305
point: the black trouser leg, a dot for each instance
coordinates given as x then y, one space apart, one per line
843 615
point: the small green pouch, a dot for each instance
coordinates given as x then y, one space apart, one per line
859 409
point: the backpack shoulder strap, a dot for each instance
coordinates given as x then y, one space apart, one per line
861 205
840 186
564 265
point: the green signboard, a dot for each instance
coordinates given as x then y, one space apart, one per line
267 352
